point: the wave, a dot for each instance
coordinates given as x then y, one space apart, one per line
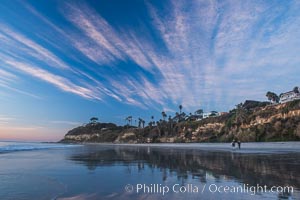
6 147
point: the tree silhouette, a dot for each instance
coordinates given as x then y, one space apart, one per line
213 113
170 121
164 115
94 120
199 112
273 97
140 122
296 89
177 116
180 108
183 115
129 120
150 124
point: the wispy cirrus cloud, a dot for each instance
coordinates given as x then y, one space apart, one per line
202 52
152 55
23 92
206 42
15 55
21 128
58 81
19 49
210 41
102 43
6 119
7 78
72 123
7 75
34 49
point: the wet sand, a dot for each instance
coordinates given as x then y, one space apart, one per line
103 171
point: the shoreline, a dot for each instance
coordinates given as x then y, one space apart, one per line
247 147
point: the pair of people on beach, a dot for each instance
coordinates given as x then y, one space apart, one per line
238 143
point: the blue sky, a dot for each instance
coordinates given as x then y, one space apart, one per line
62 62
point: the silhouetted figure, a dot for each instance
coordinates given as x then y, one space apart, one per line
233 144
239 144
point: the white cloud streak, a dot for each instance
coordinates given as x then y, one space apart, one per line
211 47
72 123
58 81
103 44
34 49
5 75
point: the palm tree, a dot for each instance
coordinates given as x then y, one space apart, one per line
140 122
129 120
164 115
180 108
170 124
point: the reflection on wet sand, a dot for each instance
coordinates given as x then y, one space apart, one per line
264 169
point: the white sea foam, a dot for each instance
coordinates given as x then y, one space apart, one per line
6 147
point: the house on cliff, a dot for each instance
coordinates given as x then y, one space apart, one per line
289 96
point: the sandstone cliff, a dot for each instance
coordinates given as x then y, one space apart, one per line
251 121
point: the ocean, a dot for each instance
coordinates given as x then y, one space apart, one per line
149 171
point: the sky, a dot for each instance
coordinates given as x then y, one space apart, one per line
63 62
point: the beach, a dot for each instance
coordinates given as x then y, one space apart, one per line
149 171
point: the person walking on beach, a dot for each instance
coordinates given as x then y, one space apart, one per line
233 144
239 144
